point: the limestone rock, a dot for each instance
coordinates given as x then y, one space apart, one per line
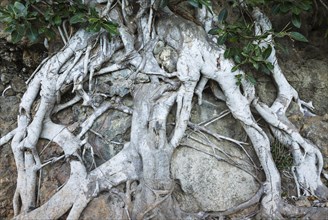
209 184
316 130
106 206
8 115
312 84
18 84
303 202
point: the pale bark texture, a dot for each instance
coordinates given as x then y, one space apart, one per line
143 167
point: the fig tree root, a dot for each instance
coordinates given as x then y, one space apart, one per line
158 89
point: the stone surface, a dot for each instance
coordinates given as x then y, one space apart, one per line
106 206
209 184
8 116
8 113
7 181
308 77
113 126
303 202
18 84
316 130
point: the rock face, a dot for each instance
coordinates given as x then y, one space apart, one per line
213 175
315 129
308 77
208 184
8 115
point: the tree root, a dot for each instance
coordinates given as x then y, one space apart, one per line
147 157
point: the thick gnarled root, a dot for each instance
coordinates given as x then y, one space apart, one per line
308 161
147 158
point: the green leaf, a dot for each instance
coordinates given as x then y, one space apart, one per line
32 34
296 10
269 65
285 7
94 27
235 68
237 59
223 15
298 36
257 58
194 3
296 20
276 9
250 78
233 39
267 52
10 28
222 39
48 14
21 28
93 20
57 20
11 10
214 31
228 53
6 19
255 65
305 5
16 37
20 9
264 69
50 34
78 18
248 48
110 27
33 14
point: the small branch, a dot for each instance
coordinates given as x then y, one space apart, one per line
235 164
199 89
71 102
7 137
217 136
98 112
64 75
252 201
221 115
65 30
324 4
5 90
53 160
62 35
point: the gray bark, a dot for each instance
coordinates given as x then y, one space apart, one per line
146 159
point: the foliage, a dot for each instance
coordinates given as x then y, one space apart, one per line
201 3
242 43
37 19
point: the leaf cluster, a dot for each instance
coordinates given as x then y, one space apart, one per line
201 3
282 7
243 45
36 19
